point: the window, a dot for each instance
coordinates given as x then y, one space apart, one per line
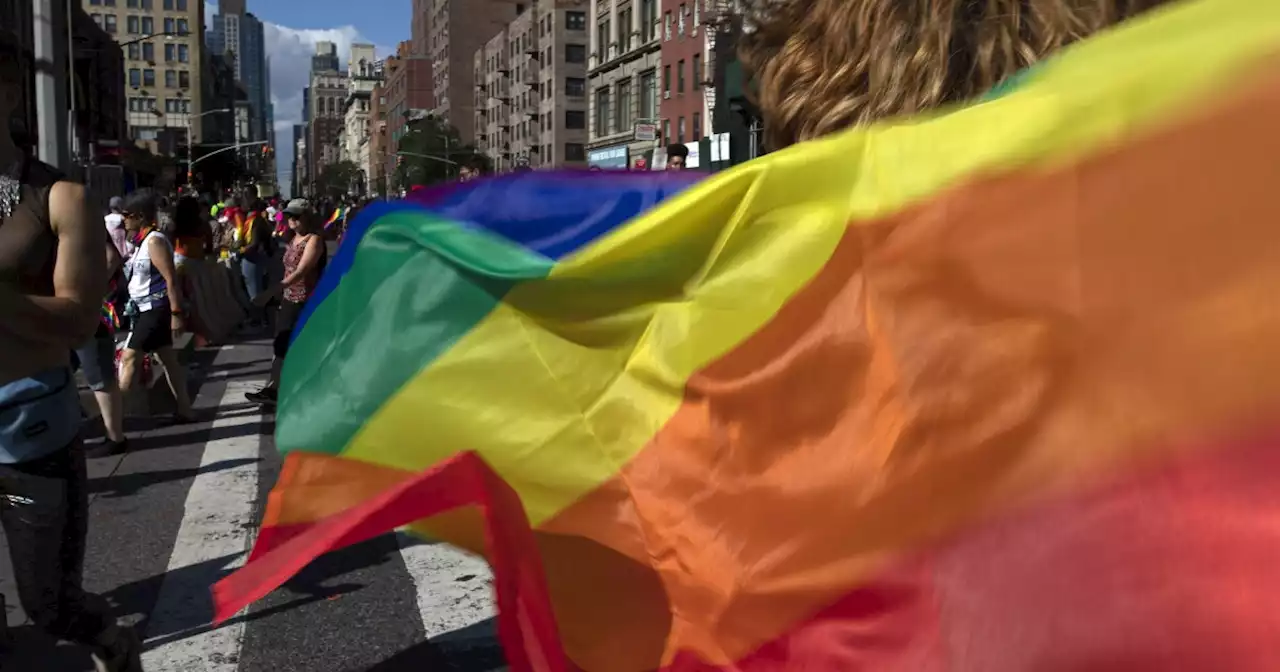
603 116
134 52
666 131
622 113
574 151
131 25
697 13
149 52
666 79
109 23
135 77
575 53
170 53
684 9
170 79
109 3
97 18
184 79
148 77
182 5
624 30
183 27
680 131
697 73
604 50
184 53
99 2
648 19
649 95
146 5
148 25
680 76
168 5
666 26
168 25
697 126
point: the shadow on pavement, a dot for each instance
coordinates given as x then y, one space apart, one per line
130 484
140 597
474 648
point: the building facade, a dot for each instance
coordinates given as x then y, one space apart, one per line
459 28
164 50
326 102
238 36
364 73
624 55
530 102
685 83
408 87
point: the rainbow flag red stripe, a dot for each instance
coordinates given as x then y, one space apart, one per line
992 390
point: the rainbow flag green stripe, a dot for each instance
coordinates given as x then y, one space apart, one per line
448 279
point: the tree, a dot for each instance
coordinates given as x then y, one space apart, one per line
430 151
338 178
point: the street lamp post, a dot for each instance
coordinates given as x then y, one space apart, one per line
153 36
191 142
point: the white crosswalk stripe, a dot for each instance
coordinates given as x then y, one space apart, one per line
198 502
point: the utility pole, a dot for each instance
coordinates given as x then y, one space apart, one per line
51 66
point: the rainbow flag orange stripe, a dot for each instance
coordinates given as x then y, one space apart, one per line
990 390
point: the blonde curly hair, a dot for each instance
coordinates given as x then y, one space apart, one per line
818 66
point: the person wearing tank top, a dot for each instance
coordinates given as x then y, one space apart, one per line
155 293
52 280
304 262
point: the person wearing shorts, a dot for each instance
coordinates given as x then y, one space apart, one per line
156 294
304 261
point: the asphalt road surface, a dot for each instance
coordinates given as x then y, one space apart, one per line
181 509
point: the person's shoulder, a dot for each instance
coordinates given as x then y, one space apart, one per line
39 174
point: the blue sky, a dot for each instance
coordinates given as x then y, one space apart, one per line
291 31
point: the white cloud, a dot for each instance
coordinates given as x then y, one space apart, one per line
289 52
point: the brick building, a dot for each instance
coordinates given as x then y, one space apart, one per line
408 87
530 102
326 100
684 111
457 29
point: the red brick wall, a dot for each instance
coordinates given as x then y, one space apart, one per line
682 51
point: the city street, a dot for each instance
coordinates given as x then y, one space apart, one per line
181 509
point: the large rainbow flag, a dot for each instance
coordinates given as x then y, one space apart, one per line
997 389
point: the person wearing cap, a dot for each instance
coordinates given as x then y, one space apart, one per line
115 227
304 261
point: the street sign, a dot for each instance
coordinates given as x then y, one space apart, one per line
646 132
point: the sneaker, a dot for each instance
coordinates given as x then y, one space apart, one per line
266 396
109 448
118 650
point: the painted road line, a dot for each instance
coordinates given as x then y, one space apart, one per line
213 538
454 589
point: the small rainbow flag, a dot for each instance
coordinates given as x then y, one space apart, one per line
334 218
992 390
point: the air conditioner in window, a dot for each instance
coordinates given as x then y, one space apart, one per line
666 95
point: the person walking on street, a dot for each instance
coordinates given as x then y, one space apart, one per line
52 273
304 261
97 360
155 295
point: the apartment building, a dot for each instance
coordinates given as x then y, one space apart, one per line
625 53
530 98
685 110
364 73
164 52
459 28
326 103
407 88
